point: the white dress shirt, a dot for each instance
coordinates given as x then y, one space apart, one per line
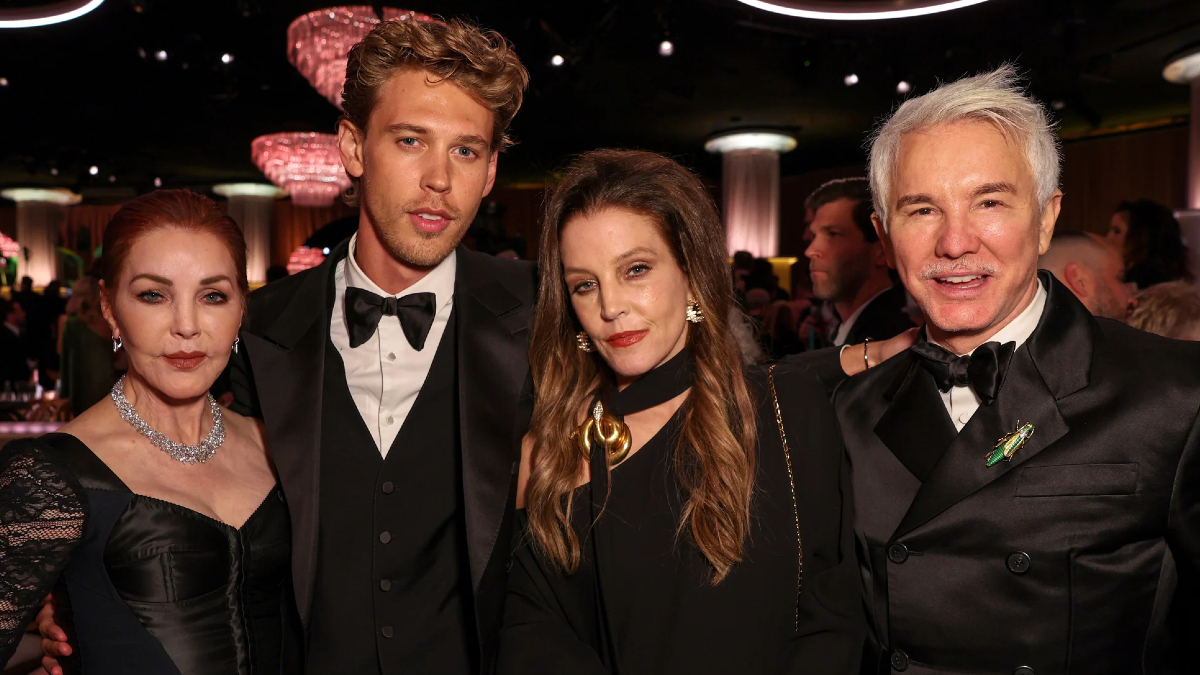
843 330
962 402
385 373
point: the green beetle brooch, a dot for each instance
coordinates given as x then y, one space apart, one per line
1008 444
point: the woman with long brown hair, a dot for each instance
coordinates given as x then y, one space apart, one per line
683 515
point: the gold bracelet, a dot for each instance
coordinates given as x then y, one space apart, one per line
866 361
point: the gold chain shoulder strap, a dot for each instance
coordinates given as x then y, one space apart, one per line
787 455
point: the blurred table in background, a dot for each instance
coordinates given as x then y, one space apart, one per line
14 430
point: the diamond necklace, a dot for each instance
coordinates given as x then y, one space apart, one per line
188 454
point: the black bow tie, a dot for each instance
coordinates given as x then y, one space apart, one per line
364 309
983 370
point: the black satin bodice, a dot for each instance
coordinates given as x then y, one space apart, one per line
152 586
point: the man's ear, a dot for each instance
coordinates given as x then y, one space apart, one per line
1049 218
1080 280
350 145
885 241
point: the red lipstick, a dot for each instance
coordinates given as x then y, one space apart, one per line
627 338
186 360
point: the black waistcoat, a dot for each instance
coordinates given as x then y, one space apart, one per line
393 585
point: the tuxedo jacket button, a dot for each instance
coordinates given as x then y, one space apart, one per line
1018 563
1024 670
385 537
899 660
387 631
387 487
897 553
385 585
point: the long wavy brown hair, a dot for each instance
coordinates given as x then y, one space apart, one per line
714 458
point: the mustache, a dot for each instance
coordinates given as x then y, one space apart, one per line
963 264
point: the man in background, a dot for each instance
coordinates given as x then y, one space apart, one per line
14 349
1093 270
848 267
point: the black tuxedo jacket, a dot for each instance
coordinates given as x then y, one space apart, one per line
278 376
882 318
1081 555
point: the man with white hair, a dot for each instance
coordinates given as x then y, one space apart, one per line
1026 476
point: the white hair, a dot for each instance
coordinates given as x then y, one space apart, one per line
995 97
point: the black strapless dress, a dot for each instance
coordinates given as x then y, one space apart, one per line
141 585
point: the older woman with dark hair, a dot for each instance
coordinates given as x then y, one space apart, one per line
683 515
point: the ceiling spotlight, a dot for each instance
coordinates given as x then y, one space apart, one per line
94 170
46 14
750 139
157 182
325 250
858 11
850 80
666 48
53 171
557 60
227 59
903 87
161 55
1183 67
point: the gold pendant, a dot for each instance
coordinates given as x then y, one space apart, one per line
605 431
1009 443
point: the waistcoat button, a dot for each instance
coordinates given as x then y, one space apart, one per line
899 660
898 553
385 585
387 487
385 537
387 631
1018 563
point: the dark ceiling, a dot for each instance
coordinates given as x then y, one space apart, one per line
81 93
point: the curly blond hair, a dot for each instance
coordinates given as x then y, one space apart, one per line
479 61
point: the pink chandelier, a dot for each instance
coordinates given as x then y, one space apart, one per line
305 258
9 248
319 42
306 164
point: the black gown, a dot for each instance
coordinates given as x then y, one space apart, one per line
642 602
141 585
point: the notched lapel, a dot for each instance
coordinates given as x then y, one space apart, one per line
915 427
962 469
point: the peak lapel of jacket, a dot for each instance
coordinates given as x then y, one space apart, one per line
915 426
287 361
493 364
1052 364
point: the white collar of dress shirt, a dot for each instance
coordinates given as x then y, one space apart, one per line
1019 329
439 281
848 324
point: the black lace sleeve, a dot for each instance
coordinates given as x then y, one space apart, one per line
41 521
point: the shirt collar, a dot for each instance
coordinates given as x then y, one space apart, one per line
439 281
848 324
1019 329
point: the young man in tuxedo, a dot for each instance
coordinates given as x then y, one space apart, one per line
392 378
848 267
1075 545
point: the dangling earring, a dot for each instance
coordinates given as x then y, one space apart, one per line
236 340
694 313
584 342
117 344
